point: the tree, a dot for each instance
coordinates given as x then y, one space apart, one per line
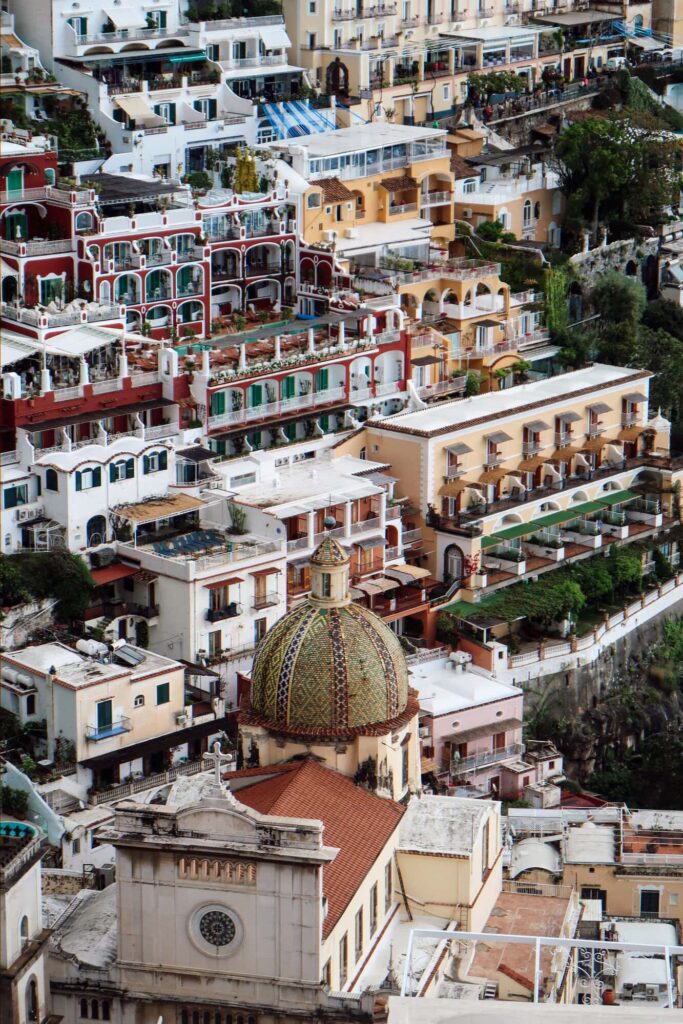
487 85
616 169
620 301
473 382
555 288
662 352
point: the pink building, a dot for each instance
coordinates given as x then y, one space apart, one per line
471 729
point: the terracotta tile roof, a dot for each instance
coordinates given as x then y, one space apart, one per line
460 167
356 821
334 191
398 184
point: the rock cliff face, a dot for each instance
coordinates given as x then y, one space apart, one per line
609 703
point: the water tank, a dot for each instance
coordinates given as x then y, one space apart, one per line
91 648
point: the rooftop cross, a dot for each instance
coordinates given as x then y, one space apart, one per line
218 759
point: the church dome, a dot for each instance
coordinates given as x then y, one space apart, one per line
329 666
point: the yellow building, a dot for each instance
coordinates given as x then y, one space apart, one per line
373 189
515 481
409 60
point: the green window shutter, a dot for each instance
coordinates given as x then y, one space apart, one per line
130 469
321 379
163 459
39 485
288 386
218 403
163 693
97 476
145 464
171 113
78 480
11 497
112 473
212 109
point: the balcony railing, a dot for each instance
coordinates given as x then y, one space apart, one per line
595 429
284 405
126 34
435 198
460 766
411 538
531 447
563 439
402 208
228 611
366 524
493 459
629 419
102 732
268 600
42 248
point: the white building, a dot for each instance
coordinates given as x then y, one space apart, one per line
114 713
164 90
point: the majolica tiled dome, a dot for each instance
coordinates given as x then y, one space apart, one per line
329 666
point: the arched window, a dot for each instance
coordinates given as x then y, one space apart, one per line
32 1000
51 480
526 213
537 210
49 176
23 931
94 1009
83 222
139 701
557 202
84 1008
105 293
453 563
106 1014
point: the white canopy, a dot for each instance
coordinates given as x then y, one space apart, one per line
126 17
274 37
136 108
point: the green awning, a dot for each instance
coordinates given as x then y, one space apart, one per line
616 497
185 58
553 519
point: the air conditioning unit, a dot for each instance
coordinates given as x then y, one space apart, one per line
351 232
329 236
181 718
24 514
468 213
424 732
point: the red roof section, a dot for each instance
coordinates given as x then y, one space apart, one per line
113 572
356 821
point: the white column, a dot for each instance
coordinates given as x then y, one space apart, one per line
206 362
310 527
342 334
347 519
83 370
123 365
278 350
311 340
383 509
243 357
45 380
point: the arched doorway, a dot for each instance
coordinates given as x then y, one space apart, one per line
631 268
9 288
337 78
453 564
96 531
32 1000
649 274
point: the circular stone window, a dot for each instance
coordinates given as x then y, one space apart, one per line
216 930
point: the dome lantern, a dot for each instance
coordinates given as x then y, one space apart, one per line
330 575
